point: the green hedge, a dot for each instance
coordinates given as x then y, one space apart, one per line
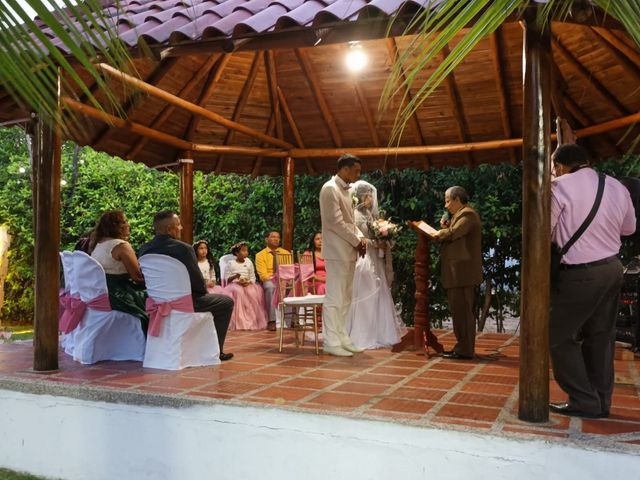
229 208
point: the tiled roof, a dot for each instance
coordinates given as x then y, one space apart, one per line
175 21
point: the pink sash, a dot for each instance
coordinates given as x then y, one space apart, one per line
74 309
159 310
300 273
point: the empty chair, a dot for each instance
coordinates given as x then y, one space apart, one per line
295 301
101 333
223 262
177 337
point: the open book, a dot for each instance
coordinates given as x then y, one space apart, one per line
426 228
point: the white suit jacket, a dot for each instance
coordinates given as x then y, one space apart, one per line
339 232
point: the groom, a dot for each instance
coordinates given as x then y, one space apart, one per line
341 243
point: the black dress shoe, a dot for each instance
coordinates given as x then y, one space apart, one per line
271 326
566 409
455 355
226 356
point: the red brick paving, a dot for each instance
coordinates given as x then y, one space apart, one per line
479 394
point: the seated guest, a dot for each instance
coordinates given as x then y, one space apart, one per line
207 266
125 283
167 227
264 266
249 312
320 277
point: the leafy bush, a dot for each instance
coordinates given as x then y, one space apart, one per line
229 208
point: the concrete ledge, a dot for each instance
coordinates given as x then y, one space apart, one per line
124 436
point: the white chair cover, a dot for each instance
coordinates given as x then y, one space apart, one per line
186 339
100 335
223 262
69 285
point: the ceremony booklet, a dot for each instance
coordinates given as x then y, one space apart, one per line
426 228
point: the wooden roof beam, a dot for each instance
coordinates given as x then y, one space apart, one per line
627 65
209 86
564 104
272 85
179 102
392 50
155 77
457 108
242 102
168 110
621 46
257 165
294 128
591 79
495 40
327 152
309 74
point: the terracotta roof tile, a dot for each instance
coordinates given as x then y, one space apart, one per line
174 21
303 15
260 22
340 10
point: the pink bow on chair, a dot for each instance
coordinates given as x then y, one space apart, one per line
298 272
74 309
159 310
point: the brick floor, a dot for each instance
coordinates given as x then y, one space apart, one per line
473 395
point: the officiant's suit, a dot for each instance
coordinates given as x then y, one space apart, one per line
340 237
461 272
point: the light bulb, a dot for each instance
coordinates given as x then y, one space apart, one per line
356 59
22 170
63 182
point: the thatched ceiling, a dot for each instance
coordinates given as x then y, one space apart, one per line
323 105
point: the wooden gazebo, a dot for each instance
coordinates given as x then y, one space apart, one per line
260 87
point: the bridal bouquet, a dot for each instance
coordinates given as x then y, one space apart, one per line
382 229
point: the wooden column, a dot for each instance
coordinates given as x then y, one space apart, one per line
46 151
186 196
533 403
287 203
421 338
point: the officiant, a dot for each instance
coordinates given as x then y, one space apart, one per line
460 241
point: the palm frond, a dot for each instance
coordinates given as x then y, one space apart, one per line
443 21
31 61
438 26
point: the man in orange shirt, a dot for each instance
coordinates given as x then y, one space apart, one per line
264 266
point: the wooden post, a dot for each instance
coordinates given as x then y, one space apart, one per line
287 203
421 312
186 196
47 147
421 338
536 236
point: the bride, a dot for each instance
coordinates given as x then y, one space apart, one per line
372 322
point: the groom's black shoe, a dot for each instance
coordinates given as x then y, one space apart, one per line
453 355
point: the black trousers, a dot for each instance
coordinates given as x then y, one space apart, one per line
582 334
460 302
221 307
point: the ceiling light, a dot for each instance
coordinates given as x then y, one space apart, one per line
356 58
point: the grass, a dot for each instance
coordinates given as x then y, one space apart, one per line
6 474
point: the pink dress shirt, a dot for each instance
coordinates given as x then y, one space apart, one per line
572 196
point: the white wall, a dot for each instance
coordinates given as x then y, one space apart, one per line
67 438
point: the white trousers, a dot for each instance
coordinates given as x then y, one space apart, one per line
337 301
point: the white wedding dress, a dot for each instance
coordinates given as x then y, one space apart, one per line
373 321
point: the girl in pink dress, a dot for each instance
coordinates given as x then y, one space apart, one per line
315 249
249 312
206 265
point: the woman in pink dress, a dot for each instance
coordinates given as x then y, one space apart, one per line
249 312
207 266
315 249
